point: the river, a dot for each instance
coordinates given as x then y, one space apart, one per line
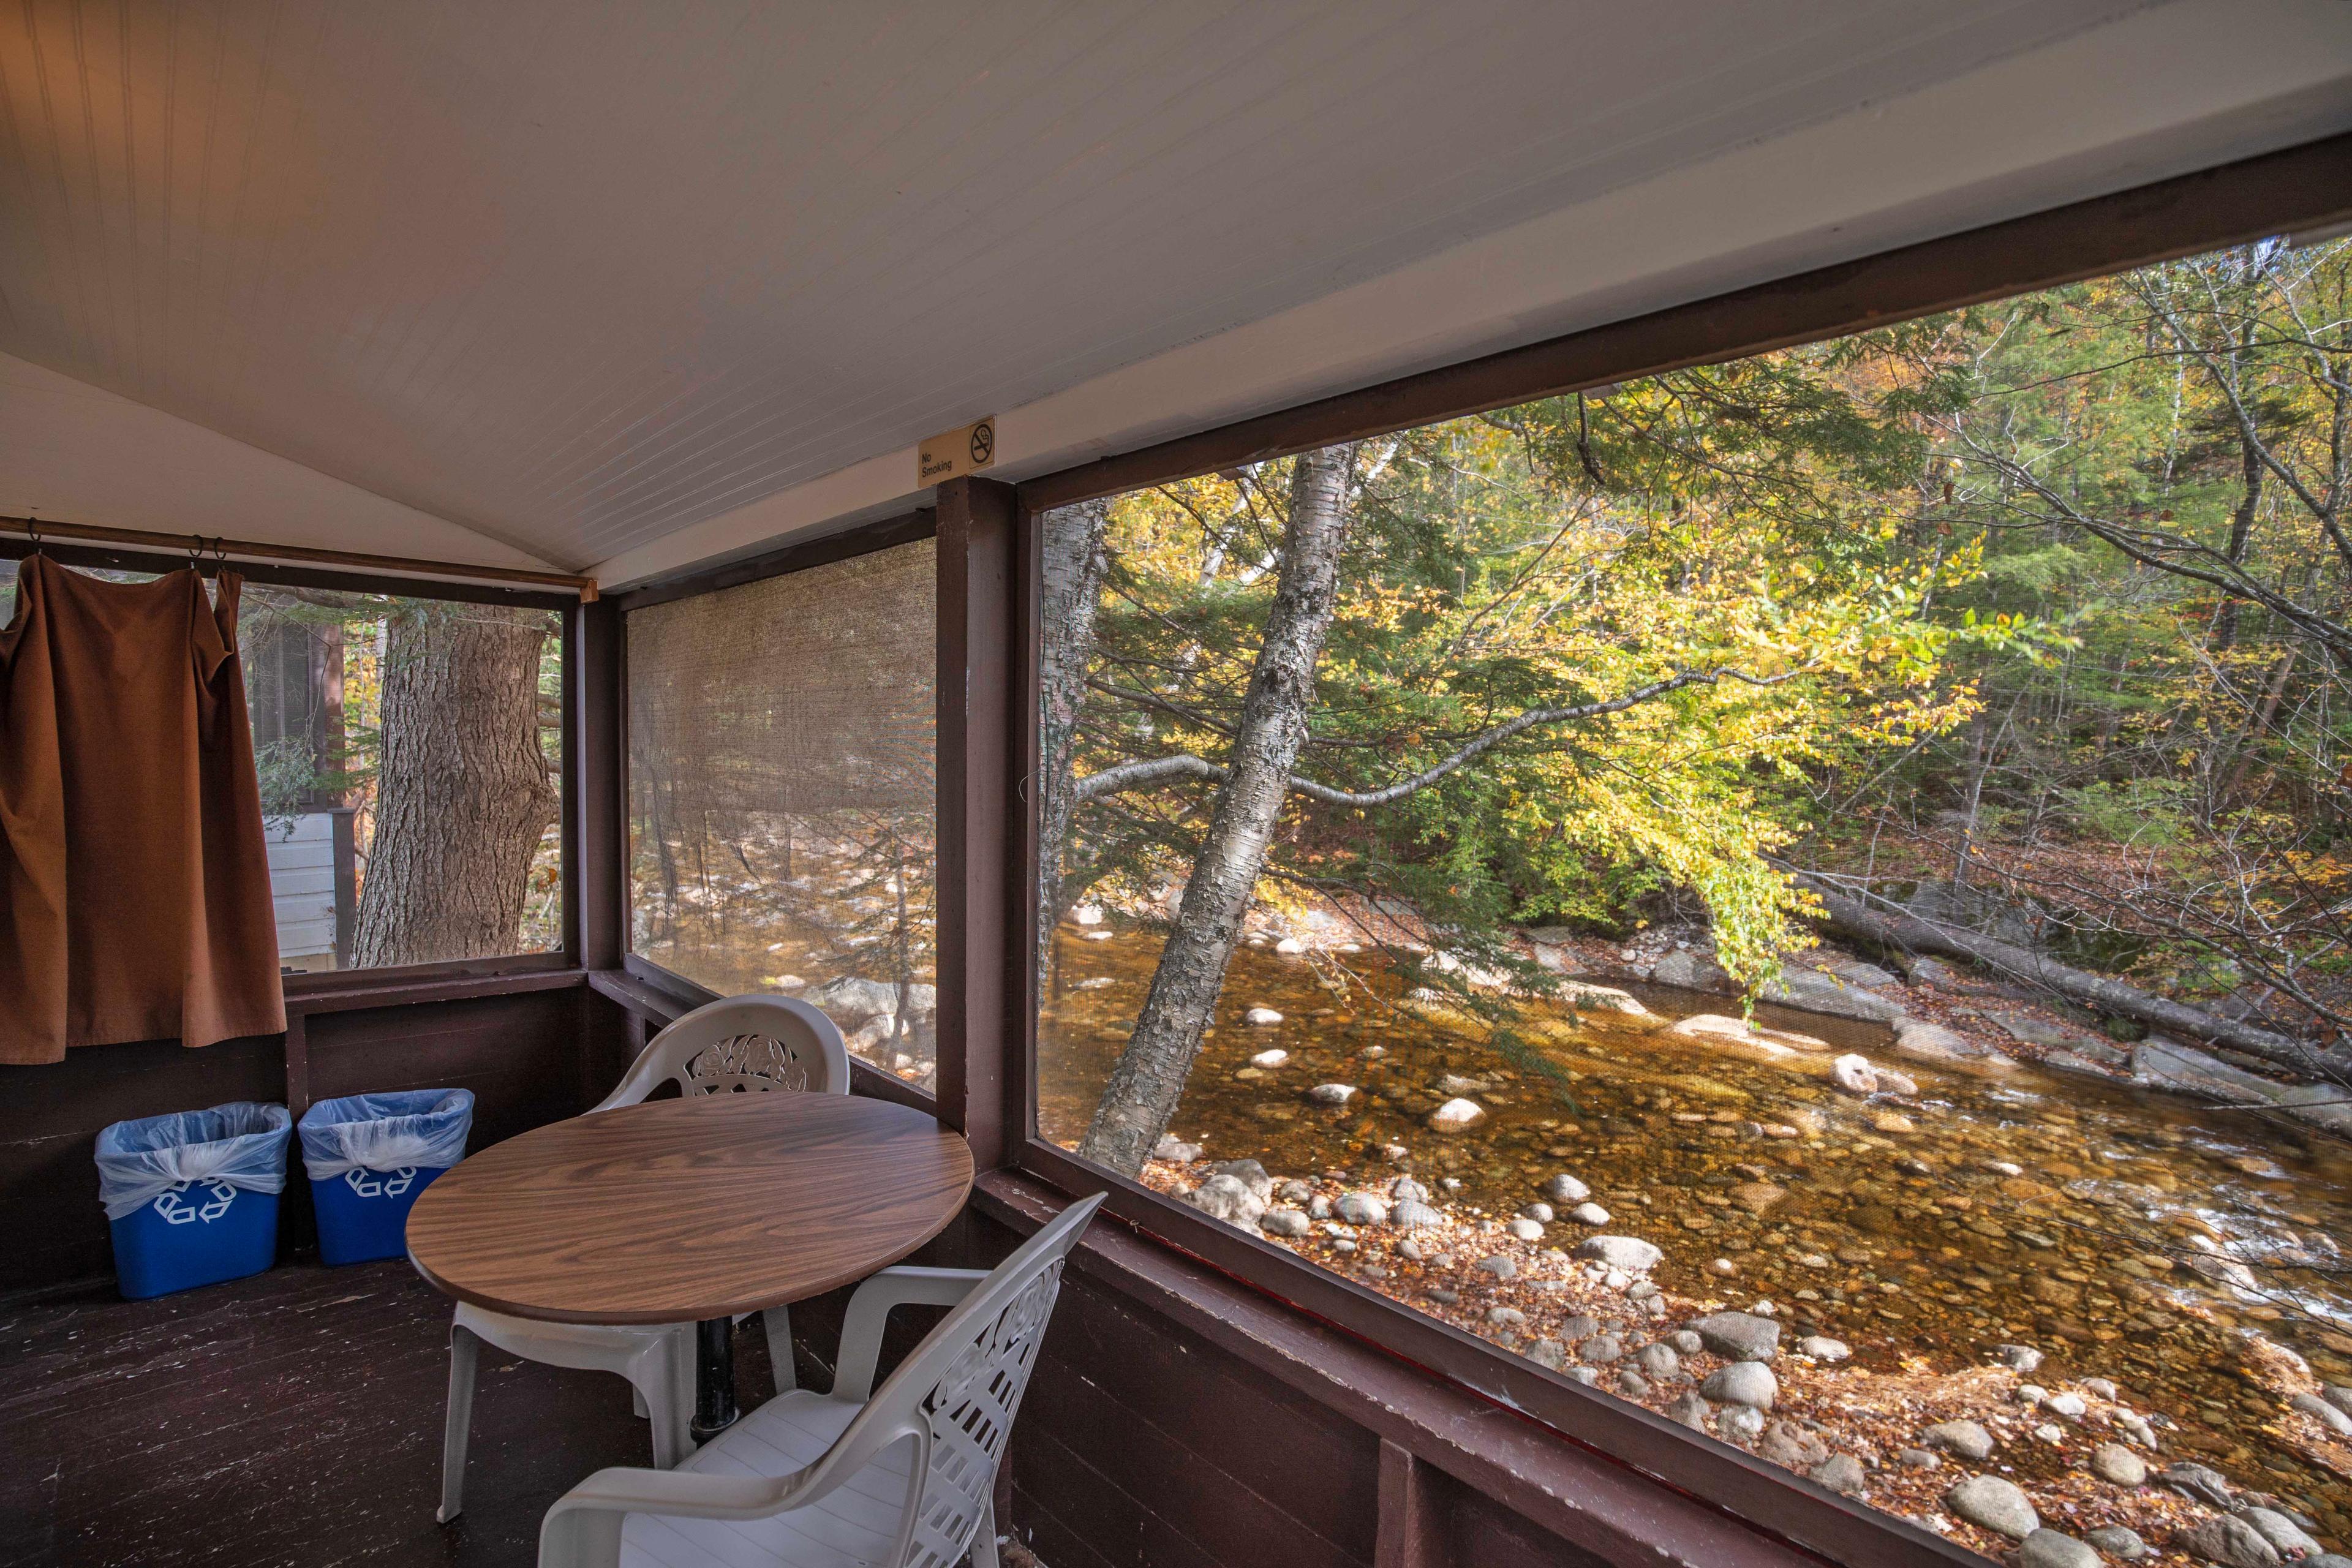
2023 1206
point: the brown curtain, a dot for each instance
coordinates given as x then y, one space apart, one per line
135 883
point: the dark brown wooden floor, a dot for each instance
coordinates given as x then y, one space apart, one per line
292 1418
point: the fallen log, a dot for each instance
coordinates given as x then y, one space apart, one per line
1905 933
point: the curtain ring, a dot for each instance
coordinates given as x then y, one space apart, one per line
33 527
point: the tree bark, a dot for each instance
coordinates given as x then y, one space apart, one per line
462 789
1144 1088
1905 932
1075 562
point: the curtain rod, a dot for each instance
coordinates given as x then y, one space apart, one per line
199 544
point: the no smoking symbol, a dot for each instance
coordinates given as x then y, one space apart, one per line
984 443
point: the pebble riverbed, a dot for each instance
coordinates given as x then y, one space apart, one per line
2005 1275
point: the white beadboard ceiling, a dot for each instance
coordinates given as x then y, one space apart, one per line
584 277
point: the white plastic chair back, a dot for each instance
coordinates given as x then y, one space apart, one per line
957 1394
738 1045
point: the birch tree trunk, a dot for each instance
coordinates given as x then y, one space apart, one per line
462 789
1074 565
1141 1096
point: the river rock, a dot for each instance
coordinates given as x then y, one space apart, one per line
1739 1336
1539 1213
1823 1349
1332 1093
1841 1473
1502 1265
2119 1541
2049 1549
1249 1173
2160 1063
1526 1229
1292 1222
1360 1209
1819 993
1689 1409
1738 1422
1629 1253
1632 1384
2022 1359
2230 1541
1969 1440
1269 1059
1405 1187
1602 999
1318 1207
1758 1197
1660 1362
1566 1189
1992 1503
2199 1482
1692 972
1228 1198
1175 1151
2067 1404
1853 1074
2288 1538
1456 1116
1786 1443
1748 1383
2321 1411
1933 1042
1262 1018
1588 1213
1600 1350
2339 1396
2114 1463
1919 1458
1409 1213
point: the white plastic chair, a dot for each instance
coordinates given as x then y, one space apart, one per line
740 1044
899 1477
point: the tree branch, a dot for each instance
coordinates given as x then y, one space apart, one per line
1150 771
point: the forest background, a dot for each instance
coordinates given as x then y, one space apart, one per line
2032 616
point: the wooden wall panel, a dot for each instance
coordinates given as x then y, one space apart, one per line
520 1053
51 1114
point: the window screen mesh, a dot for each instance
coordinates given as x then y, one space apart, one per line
781 795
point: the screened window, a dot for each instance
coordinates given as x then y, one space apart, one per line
410 757
1421 818
782 799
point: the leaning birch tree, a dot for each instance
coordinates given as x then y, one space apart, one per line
1148 1080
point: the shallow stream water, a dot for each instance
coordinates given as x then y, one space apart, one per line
1887 1223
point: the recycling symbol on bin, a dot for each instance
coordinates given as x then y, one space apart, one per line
390 1184
169 1204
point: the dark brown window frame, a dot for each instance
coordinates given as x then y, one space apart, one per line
660 994
2306 188
341 990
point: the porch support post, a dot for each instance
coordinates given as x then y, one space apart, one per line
1411 1533
980 870
599 837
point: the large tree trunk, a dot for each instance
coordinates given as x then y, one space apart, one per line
462 788
1074 564
1141 1096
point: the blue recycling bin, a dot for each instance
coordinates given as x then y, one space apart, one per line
369 1156
192 1197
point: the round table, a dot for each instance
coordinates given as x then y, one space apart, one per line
690 1211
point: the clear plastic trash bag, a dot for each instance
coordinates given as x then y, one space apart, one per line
406 1129
240 1144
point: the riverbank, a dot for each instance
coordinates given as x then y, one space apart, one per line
1956 1205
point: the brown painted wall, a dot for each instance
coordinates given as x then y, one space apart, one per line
521 1055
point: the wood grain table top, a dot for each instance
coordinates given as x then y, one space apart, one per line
684 1209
